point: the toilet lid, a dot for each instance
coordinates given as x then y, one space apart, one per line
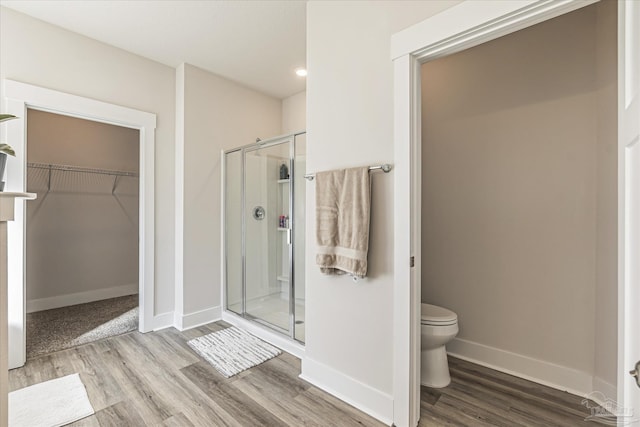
434 315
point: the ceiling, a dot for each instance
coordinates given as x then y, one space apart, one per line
258 44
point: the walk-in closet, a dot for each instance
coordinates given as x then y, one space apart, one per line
81 232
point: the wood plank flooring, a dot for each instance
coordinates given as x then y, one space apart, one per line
478 396
155 379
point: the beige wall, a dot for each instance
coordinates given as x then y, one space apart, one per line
350 123
34 52
218 114
606 296
519 191
80 236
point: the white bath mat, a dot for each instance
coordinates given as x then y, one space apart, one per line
233 350
50 404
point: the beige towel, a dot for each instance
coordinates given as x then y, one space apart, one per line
343 205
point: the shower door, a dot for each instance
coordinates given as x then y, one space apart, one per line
264 233
267 219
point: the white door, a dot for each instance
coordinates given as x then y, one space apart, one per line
629 203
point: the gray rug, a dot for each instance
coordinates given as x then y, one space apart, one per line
233 350
53 330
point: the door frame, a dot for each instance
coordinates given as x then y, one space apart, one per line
628 207
463 26
19 97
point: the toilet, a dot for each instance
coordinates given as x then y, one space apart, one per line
438 326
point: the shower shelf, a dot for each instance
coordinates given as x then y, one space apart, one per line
283 181
282 278
282 229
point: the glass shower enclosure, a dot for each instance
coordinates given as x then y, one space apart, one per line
264 233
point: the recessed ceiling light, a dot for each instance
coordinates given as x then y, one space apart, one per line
301 72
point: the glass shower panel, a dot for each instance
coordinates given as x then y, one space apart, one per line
267 234
299 208
233 230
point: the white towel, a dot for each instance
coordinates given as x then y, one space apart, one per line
343 206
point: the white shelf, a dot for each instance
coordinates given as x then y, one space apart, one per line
283 181
7 203
282 278
282 229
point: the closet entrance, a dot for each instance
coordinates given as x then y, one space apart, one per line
82 234
264 233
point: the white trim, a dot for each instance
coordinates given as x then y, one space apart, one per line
359 395
179 194
197 318
19 97
628 395
405 361
66 300
540 371
609 390
471 23
163 321
281 341
460 27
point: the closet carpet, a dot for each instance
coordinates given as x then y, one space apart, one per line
53 330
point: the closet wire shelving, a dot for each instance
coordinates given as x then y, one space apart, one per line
67 168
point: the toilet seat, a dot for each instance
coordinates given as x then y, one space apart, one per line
433 315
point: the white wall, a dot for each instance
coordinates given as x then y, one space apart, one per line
82 236
350 122
217 114
38 53
294 113
519 194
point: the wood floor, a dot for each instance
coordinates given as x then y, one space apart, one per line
155 379
478 396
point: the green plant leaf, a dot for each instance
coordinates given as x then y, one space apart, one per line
6 148
5 117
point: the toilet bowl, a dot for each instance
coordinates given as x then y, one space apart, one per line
438 326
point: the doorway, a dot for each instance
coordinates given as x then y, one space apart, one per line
463 26
19 98
82 231
519 200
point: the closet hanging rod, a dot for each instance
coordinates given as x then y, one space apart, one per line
66 168
384 168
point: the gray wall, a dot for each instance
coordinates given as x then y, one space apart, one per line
519 190
80 236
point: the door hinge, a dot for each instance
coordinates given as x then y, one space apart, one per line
412 261
636 373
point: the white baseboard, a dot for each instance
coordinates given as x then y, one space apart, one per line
162 321
197 318
365 398
608 391
80 297
539 371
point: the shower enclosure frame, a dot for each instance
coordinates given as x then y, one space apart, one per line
289 139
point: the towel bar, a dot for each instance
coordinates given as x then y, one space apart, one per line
384 168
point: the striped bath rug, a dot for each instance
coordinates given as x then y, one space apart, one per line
233 350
